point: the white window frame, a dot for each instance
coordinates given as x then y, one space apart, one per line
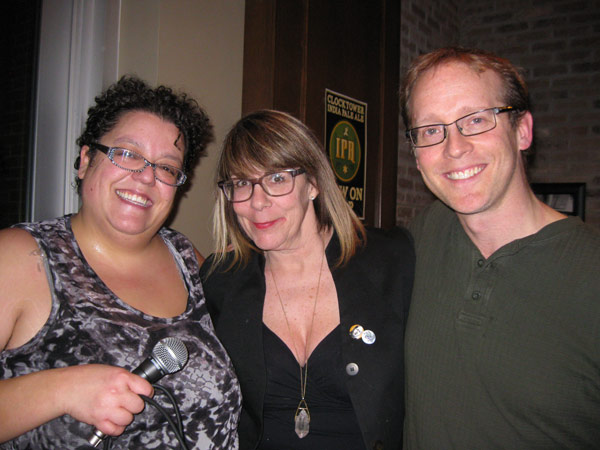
77 58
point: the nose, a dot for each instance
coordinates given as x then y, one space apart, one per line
259 199
146 176
456 145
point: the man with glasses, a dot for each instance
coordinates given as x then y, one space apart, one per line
503 340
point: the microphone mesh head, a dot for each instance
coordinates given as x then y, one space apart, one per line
171 354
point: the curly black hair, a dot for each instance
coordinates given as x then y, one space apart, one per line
133 94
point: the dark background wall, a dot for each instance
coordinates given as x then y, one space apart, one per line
557 43
19 22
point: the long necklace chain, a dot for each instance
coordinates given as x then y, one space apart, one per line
302 415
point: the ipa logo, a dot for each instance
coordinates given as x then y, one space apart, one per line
344 151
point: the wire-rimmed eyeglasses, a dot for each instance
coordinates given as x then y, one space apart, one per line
134 162
470 125
275 184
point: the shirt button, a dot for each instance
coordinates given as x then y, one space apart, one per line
476 295
352 369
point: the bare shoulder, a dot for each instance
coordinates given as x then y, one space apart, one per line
17 247
24 293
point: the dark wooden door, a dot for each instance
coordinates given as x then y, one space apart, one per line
296 49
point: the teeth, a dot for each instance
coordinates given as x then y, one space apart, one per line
137 199
463 175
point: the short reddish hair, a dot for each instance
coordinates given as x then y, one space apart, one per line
516 93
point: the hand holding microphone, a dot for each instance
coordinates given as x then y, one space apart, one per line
168 356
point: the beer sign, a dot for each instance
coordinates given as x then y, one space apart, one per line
345 143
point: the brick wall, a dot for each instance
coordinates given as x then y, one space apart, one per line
557 42
425 25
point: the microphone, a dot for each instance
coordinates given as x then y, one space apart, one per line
168 356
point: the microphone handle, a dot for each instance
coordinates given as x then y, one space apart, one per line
96 438
148 370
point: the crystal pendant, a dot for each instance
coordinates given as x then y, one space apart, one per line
302 419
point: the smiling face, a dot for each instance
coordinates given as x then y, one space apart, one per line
131 202
470 174
279 223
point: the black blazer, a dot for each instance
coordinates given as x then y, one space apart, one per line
373 289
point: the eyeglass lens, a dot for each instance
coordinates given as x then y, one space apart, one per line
469 125
274 184
129 160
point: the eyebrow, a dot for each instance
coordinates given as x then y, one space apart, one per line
465 112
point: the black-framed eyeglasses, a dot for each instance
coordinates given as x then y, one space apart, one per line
134 162
275 184
472 124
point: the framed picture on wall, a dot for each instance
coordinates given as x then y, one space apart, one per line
567 198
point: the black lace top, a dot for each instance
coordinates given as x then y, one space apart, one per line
88 323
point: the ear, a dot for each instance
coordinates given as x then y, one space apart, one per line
525 131
313 190
84 162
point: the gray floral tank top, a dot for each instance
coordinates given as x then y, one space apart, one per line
89 324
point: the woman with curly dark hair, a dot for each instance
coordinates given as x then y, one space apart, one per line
86 297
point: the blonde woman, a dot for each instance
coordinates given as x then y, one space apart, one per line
310 306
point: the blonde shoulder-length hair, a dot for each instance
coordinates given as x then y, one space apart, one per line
265 141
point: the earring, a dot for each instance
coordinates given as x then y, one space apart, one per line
312 197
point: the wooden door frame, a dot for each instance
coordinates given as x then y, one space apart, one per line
275 77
